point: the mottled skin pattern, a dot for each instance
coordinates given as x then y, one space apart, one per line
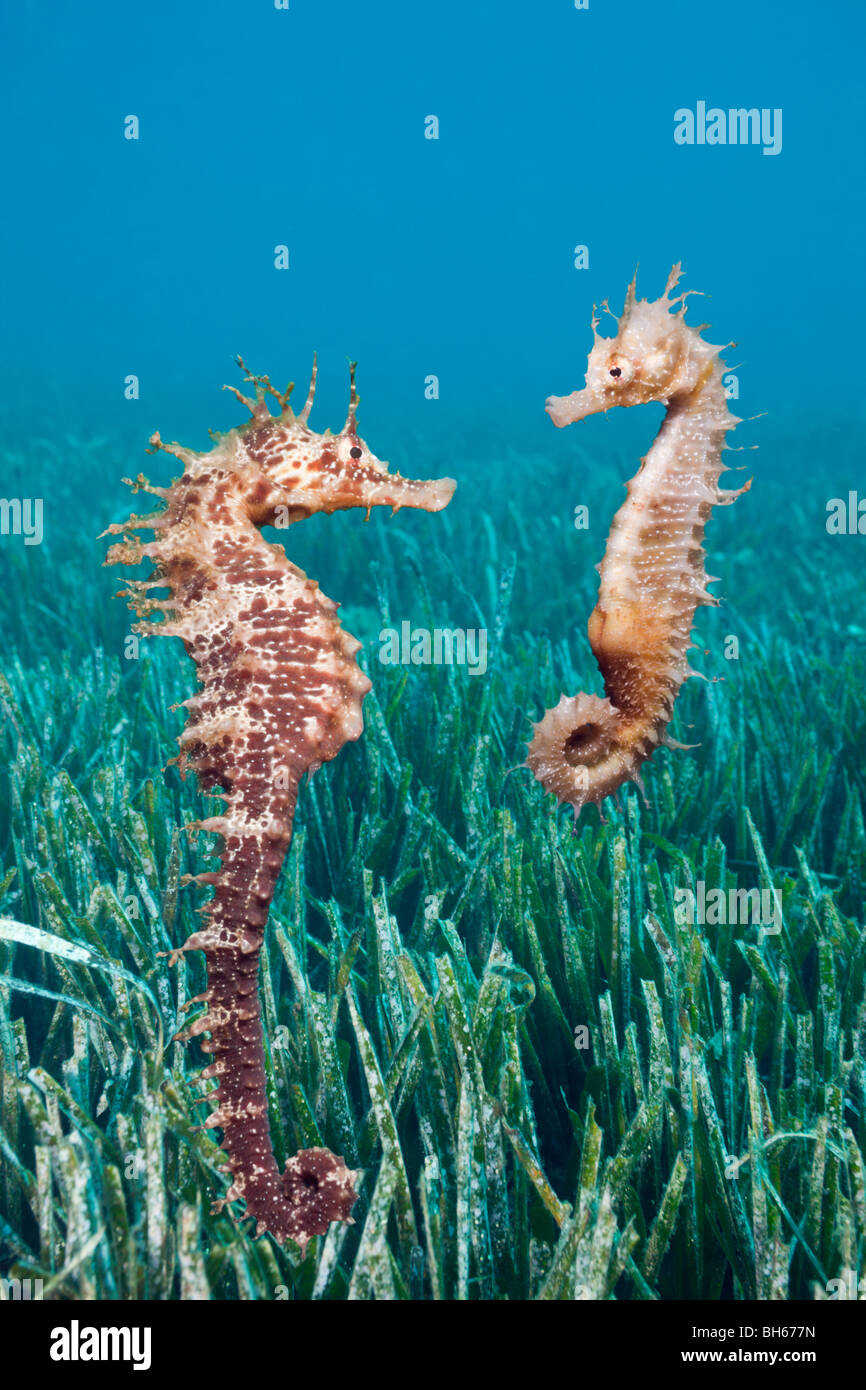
280 694
652 575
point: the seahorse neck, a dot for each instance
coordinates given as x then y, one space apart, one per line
695 423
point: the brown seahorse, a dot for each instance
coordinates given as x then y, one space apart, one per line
652 577
280 693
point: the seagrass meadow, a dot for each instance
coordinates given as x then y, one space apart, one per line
553 1089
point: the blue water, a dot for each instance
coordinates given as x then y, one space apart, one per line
305 127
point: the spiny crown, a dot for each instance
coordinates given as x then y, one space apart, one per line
654 356
285 464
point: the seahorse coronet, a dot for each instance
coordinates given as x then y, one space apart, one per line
652 578
280 693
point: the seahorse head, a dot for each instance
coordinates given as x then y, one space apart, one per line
654 356
288 471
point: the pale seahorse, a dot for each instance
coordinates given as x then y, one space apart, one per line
280 694
652 574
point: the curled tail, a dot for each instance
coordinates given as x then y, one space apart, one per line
315 1187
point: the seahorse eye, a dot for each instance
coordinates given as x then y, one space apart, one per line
355 452
620 368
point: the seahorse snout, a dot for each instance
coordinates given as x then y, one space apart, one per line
564 410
